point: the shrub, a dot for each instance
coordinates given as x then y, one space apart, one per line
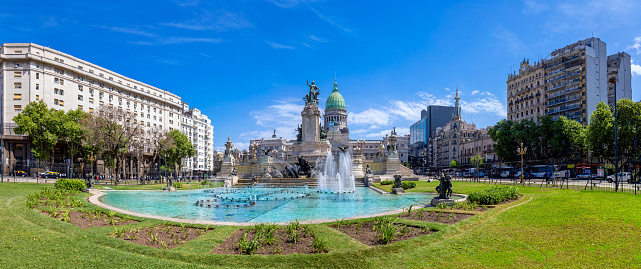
70 184
319 245
204 182
408 185
387 182
178 185
494 195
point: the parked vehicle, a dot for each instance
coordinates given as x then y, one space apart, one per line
18 173
623 177
506 174
585 175
51 174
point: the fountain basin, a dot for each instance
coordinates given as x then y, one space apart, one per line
313 207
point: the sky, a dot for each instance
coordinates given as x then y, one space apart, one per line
245 63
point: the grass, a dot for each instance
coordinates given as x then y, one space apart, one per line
546 228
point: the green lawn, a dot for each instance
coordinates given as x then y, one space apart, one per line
547 228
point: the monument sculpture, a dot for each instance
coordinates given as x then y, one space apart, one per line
398 184
444 188
312 96
299 133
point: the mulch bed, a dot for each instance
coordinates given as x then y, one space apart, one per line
166 236
366 234
89 219
436 216
282 245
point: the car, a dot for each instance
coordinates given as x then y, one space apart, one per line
51 174
585 175
506 174
480 174
19 173
623 177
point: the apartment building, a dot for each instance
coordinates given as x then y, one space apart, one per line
200 132
525 92
569 82
619 67
421 132
31 72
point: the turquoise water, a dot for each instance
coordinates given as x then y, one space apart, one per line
261 204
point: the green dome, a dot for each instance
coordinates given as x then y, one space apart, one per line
335 100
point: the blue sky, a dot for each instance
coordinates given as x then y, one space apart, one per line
245 63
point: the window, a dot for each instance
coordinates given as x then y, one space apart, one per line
91 92
62 103
91 100
55 101
80 87
18 64
80 107
17 108
37 97
81 78
37 86
80 67
90 71
37 75
101 103
91 110
80 97
18 52
17 96
17 85
17 74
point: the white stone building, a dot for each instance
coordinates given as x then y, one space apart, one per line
200 132
31 72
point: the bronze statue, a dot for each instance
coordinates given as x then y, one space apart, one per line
368 171
398 181
266 151
444 188
323 133
312 96
299 135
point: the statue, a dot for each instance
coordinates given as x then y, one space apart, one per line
398 181
266 151
343 148
299 135
233 172
323 133
368 171
89 182
312 96
444 188
394 131
304 167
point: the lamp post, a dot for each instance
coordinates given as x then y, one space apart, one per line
521 151
613 80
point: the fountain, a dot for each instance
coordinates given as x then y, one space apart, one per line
336 176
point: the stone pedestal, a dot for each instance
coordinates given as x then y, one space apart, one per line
227 166
91 190
447 201
170 189
398 190
230 181
357 168
393 166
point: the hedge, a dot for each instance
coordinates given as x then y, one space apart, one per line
408 185
70 184
494 195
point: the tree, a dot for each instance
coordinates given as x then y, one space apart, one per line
455 164
506 141
182 148
72 132
42 125
600 136
477 160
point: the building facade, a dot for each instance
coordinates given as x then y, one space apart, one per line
619 67
200 131
421 133
31 72
525 92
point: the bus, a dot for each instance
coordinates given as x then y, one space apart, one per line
546 171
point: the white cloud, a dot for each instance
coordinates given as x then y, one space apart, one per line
508 39
290 3
280 46
284 116
215 21
370 116
637 45
475 92
315 38
534 7
636 69
411 110
331 20
399 131
484 105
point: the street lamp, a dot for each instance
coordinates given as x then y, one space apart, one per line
521 151
613 80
